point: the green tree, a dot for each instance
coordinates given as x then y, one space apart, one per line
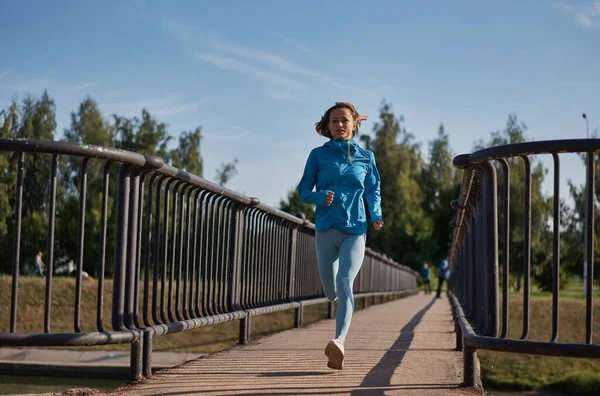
226 172
9 120
441 184
293 205
407 226
88 126
38 121
187 155
34 118
145 136
573 218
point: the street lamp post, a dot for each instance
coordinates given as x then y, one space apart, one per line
586 214
587 125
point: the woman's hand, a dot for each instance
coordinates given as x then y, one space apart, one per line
329 198
378 224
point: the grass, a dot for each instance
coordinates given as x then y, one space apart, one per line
572 289
30 314
520 371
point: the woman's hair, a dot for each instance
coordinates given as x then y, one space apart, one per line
322 127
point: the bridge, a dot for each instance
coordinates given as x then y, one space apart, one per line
188 253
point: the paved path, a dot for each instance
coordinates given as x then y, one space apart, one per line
403 347
106 364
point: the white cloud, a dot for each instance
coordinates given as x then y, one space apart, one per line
4 73
278 86
264 57
589 15
283 79
297 44
34 86
84 86
162 107
182 32
561 5
586 15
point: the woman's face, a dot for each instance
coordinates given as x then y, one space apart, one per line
341 124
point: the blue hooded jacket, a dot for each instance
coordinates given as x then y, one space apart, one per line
443 269
345 168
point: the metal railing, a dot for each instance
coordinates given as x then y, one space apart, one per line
474 251
187 253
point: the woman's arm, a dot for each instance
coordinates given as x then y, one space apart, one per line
373 191
307 183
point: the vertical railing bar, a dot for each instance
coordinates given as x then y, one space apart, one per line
556 250
205 256
102 258
283 261
271 269
230 270
283 267
246 230
120 259
186 278
163 280
131 273
220 263
201 217
211 206
202 265
138 256
80 243
505 247
179 252
275 246
227 248
264 285
174 239
150 252
527 249
193 306
252 260
589 249
50 261
258 271
274 254
491 273
222 256
291 261
156 256
17 243
276 260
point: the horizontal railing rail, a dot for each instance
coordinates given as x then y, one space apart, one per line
186 252
474 253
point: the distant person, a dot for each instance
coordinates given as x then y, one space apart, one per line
443 274
39 265
341 172
425 277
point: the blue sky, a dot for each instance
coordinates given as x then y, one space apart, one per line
257 75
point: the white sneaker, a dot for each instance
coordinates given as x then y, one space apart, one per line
335 352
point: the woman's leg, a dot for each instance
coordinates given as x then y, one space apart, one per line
327 244
352 252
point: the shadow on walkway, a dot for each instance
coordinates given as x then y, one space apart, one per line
379 378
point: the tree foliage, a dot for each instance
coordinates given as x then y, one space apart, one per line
34 118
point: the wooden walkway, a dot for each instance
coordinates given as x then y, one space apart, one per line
403 347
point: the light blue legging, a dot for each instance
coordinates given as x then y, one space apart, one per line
340 257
